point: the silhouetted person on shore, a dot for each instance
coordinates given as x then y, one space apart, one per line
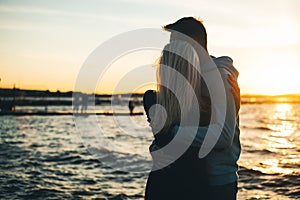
76 103
131 106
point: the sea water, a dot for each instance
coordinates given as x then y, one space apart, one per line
106 157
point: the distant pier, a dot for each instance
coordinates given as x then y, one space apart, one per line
20 113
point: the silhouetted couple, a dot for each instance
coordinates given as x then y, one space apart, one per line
80 99
194 119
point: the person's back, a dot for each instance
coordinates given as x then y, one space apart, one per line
222 162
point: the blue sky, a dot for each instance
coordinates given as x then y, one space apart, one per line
44 43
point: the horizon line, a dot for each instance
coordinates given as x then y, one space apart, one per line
124 93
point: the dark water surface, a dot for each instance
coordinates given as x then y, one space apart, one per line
43 157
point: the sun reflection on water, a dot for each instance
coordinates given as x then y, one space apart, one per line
283 121
283 111
280 139
271 166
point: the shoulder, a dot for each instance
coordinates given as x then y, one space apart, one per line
222 59
225 66
149 95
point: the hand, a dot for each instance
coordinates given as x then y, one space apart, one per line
153 147
235 90
160 159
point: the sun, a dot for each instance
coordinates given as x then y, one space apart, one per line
278 82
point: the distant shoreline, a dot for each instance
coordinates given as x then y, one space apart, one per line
19 97
5 92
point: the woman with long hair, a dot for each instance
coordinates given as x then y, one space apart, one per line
178 101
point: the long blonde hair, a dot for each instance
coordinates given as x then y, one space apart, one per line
178 86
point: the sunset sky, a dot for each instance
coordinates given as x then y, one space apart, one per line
45 42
